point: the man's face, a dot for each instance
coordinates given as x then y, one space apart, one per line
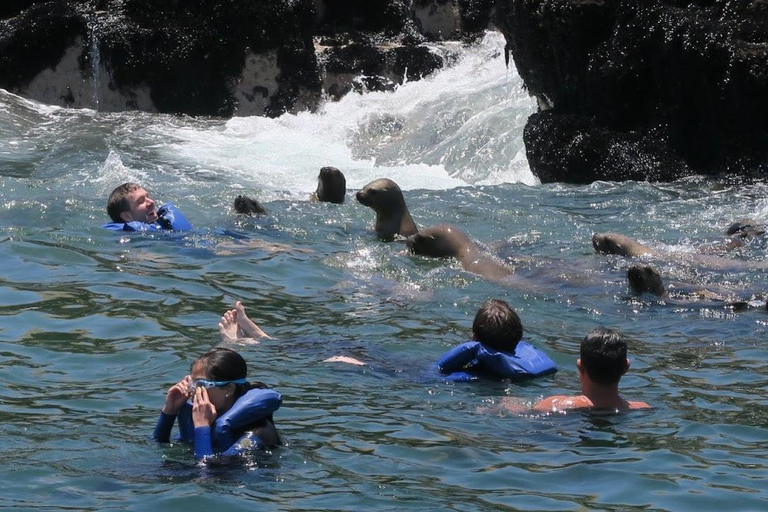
142 207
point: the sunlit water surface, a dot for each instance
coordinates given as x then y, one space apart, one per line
95 325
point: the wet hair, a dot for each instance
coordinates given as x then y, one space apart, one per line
497 325
118 200
604 355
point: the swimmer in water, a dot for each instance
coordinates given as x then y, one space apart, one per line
132 209
219 411
602 363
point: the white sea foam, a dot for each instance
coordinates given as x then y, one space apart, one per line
461 126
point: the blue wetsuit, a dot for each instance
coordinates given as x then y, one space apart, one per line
229 435
169 218
473 360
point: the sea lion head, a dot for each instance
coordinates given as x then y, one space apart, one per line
248 206
331 186
442 241
611 243
382 195
645 279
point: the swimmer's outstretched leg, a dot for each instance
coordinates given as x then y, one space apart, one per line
247 328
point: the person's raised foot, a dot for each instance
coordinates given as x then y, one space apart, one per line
228 328
248 329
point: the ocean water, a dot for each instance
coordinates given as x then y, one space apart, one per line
95 325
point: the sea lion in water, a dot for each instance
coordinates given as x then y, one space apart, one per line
248 206
645 279
331 186
445 240
744 228
392 216
614 243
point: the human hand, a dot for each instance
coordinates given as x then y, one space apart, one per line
203 411
176 397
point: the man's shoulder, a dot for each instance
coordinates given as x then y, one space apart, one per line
562 402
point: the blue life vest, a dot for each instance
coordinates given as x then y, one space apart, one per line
169 218
472 361
255 405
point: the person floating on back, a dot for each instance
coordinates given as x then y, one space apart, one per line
601 364
131 209
497 350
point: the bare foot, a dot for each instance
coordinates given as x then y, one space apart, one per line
344 359
247 328
228 327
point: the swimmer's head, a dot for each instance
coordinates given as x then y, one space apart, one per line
603 356
220 364
130 202
497 325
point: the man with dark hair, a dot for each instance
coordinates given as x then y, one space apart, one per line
601 364
131 209
497 350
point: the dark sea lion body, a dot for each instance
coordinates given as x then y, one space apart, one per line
447 241
392 215
331 186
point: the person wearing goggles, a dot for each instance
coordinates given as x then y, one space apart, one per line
219 411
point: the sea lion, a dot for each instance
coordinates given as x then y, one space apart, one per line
248 206
744 228
392 216
445 241
331 186
645 279
614 243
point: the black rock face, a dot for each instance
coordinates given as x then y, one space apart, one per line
214 57
682 85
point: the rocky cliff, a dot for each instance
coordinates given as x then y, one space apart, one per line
643 90
221 57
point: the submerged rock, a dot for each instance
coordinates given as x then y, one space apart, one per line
654 90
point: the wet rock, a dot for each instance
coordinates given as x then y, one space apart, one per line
683 85
216 57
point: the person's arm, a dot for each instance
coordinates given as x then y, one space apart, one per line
171 218
203 443
175 399
458 357
162 433
203 415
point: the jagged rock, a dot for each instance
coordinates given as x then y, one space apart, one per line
197 57
370 67
213 57
683 85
